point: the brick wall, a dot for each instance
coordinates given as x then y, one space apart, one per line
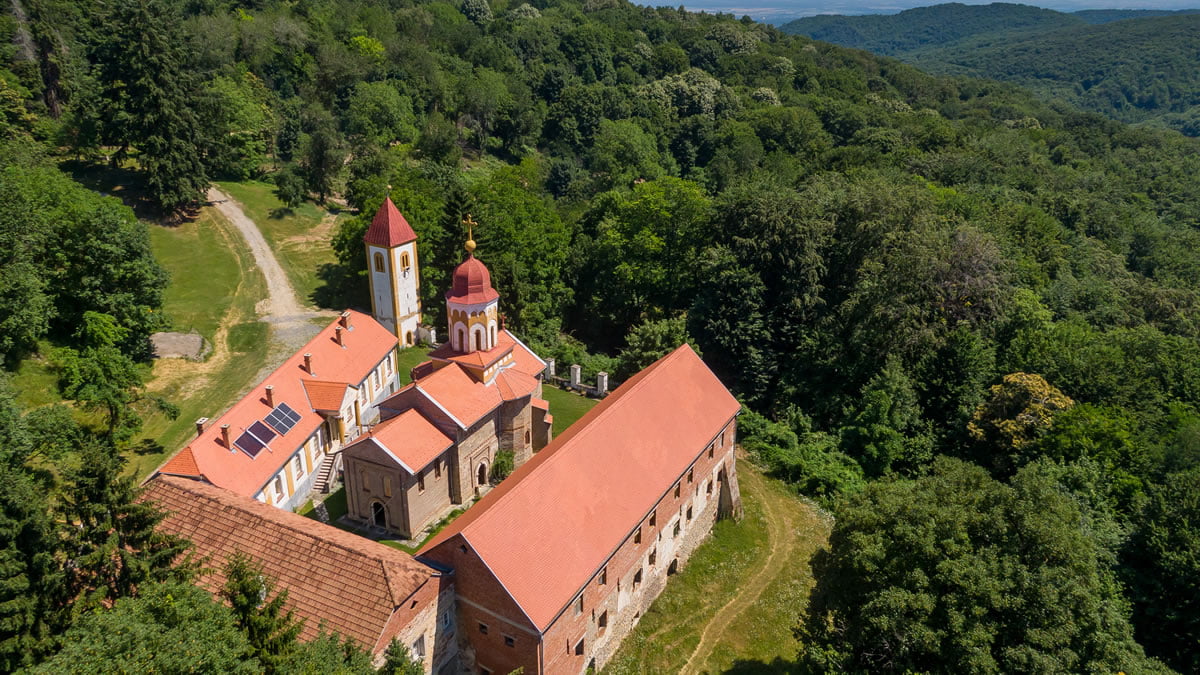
477 444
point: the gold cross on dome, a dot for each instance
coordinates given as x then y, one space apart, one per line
470 223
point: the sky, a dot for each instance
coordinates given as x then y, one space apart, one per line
776 10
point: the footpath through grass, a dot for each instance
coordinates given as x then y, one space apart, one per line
299 237
746 625
214 289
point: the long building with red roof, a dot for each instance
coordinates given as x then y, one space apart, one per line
555 565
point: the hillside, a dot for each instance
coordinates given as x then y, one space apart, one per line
937 25
945 303
1140 70
1131 65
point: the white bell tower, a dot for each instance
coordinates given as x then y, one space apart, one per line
393 271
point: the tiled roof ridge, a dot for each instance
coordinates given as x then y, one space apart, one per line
282 517
590 420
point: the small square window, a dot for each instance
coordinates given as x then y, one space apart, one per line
510 641
604 576
483 629
637 535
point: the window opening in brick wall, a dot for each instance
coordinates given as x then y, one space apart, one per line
366 480
418 648
708 487
637 535
579 647
654 518
602 622
691 475
653 555
579 605
482 628
420 481
675 531
677 485
689 514
387 486
510 641
710 452
603 576
437 468
637 577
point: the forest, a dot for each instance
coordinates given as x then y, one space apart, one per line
963 319
1130 65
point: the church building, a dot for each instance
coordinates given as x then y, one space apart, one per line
478 395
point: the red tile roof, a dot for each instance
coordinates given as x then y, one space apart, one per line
463 397
351 584
408 439
523 357
472 283
388 227
323 395
366 343
578 499
182 464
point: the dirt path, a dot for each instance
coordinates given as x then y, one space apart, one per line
291 322
783 541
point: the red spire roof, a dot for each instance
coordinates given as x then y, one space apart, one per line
472 283
389 228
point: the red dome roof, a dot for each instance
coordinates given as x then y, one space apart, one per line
472 283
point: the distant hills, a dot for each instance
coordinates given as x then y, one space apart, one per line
1137 66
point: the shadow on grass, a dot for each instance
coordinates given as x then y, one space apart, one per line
775 667
147 446
344 287
281 213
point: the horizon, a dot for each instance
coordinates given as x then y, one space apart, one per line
785 10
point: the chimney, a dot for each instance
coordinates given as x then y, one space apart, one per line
337 335
344 319
200 425
308 362
225 436
271 395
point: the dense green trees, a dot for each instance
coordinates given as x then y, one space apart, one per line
956 572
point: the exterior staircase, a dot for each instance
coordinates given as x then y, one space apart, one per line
327 472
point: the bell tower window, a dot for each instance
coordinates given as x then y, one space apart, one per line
404 263
378 261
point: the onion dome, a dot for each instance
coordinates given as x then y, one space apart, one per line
472 283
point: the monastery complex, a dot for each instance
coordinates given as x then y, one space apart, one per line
546 570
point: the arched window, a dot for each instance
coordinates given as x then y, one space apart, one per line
378 262
462 340
481 474
478 339
404 262
279 487
408 338
378 514
493 336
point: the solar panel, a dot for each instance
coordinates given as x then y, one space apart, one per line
262 432
283 418
249 444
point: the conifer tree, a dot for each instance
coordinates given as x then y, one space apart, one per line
260 612
113 546
398 660
141 72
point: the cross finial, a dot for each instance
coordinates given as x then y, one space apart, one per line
470 223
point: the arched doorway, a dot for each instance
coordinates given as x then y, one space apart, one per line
408 339
378 514
481 474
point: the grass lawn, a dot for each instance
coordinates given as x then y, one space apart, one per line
758 637
35 381
299 237
407 359
240 342
566 407
205 275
